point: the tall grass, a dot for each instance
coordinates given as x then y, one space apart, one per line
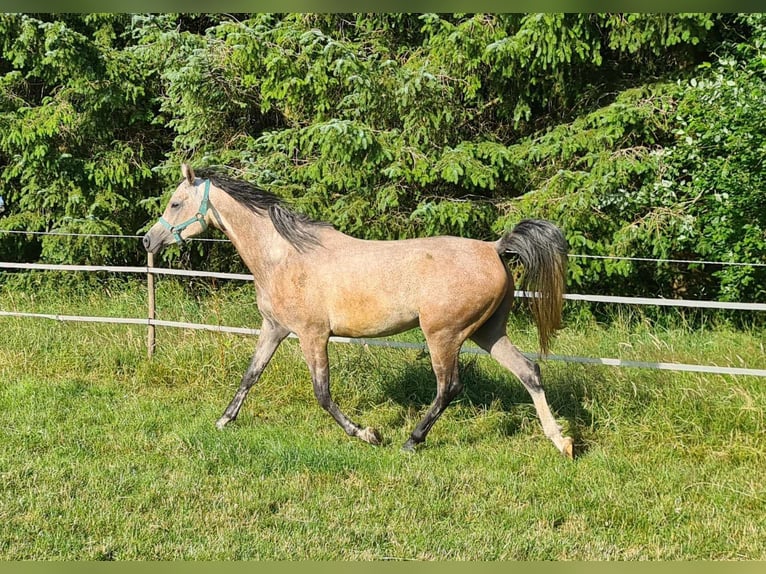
107 455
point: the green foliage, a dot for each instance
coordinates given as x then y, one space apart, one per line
593 175
668 170
394 126
717 173
76 140
639 134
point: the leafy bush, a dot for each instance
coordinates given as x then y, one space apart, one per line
639 134
77 137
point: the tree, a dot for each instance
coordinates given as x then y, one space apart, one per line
78 136
639 134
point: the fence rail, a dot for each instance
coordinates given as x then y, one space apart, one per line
152 322
151 270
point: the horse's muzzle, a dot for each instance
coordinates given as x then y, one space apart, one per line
152 243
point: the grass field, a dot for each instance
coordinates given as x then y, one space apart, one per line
107 455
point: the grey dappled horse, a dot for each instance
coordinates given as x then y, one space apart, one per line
315 281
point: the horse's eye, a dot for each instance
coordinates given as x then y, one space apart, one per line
175 205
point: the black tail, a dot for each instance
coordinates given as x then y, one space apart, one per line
542 249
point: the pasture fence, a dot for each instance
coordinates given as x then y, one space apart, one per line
150 271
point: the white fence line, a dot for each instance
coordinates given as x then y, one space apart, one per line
733 305
678 367
151 322
111 269
150 271
663 260
651 301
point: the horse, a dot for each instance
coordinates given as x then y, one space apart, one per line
315 281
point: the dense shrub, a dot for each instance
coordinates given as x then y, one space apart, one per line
639 134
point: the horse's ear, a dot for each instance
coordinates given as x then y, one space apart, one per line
188 173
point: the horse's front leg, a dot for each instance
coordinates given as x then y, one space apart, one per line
315 351
271 336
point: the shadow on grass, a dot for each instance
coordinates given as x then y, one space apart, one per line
487 387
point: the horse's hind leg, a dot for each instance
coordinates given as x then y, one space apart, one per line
504 352
444 360
268 341
315 352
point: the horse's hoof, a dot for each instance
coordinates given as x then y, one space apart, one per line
409 447
370 435
222 422
567 448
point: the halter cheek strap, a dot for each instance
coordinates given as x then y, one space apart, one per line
199 217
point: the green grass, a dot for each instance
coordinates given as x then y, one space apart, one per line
108 455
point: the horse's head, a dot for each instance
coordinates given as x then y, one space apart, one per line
186 214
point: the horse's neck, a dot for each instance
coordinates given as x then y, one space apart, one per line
252 234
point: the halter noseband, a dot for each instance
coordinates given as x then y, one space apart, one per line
199 217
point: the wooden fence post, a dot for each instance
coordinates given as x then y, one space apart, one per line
150 343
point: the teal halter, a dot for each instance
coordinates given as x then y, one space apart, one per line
199 217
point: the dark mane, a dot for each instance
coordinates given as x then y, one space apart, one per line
298 229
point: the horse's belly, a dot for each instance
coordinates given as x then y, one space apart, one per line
370 319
